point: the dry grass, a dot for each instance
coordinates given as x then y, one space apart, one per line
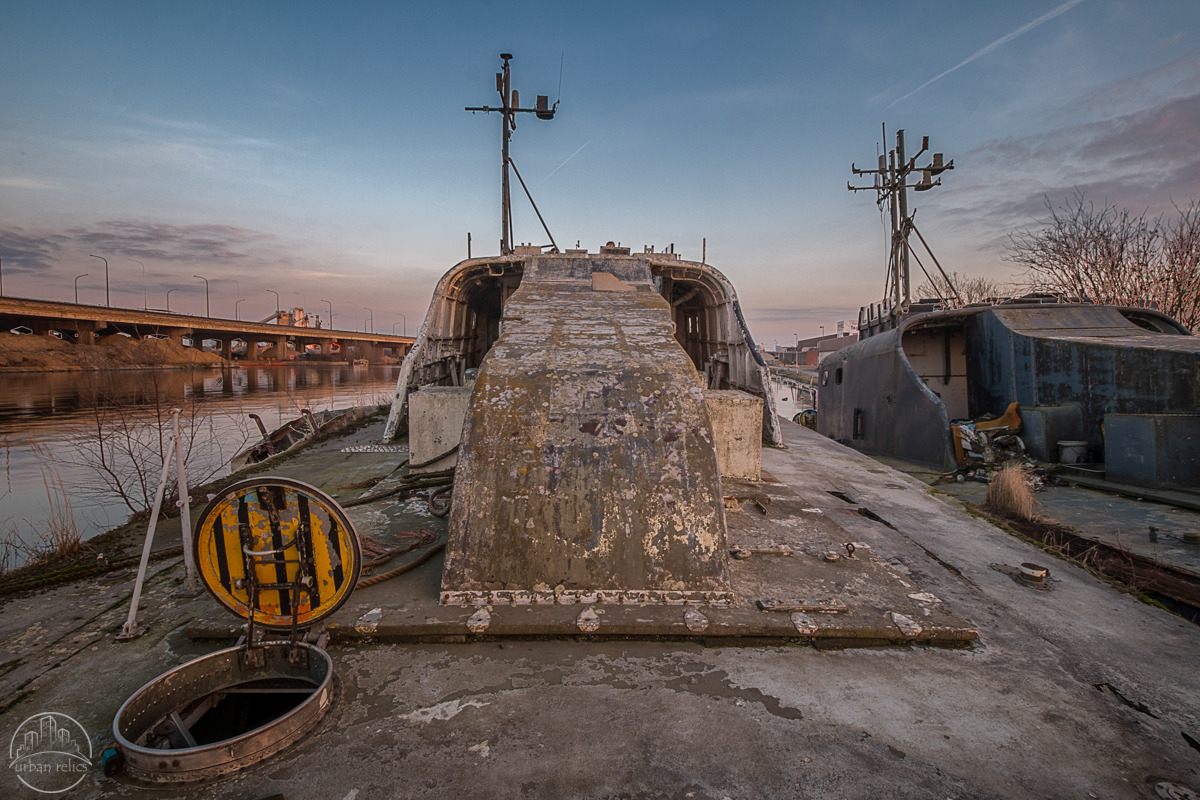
1010 495
58 539
62 536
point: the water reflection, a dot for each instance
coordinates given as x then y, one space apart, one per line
50 422
790 397
31 400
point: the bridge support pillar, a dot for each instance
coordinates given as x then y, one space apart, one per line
177 335
85 332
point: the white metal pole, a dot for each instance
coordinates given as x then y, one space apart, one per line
185 513
131 630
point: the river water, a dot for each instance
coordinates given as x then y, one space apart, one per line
63 434
790 400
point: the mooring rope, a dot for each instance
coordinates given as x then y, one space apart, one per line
382 555
421 559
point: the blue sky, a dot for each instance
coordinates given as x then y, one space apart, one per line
321 150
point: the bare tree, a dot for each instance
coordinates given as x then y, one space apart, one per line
1105 254
128 438
1181 251
969 288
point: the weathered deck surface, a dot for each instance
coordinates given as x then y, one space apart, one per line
587 460
1077 690
794 532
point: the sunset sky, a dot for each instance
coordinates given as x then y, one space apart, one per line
321 150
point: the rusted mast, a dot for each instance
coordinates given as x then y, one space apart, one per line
507 122
893 264
899 176
510 106
891 184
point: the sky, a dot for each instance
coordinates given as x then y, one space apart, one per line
322 151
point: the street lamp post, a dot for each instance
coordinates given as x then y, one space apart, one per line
371 318
237 314
207 312
272 291
303 299
145 302
176 289
404 319
107 301
77 277
330 307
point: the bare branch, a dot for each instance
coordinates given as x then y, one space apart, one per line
971 288
1111 255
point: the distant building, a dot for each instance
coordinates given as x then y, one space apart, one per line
295 318
810 352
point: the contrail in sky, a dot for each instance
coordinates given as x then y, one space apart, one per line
577 152
1067 6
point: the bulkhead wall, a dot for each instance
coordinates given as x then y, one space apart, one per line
587 461
1093 356
466 317
872 399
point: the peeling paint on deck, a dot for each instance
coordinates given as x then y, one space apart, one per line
588 458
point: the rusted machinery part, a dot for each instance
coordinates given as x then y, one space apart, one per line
412 483
439 501
420 538
158 714
435 459
418 561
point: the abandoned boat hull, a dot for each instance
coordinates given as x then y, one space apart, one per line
578 391
294 433
1070 367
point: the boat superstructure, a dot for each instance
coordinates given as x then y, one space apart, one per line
1120 384
1102 375
467 315
598 399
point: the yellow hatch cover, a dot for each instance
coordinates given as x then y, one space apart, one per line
296 542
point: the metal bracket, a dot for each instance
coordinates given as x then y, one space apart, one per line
827 605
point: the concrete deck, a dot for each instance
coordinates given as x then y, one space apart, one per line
792 537
1072 690
1105 511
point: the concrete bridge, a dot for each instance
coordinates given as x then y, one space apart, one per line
83 323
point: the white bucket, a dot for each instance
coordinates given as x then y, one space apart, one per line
1072 452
